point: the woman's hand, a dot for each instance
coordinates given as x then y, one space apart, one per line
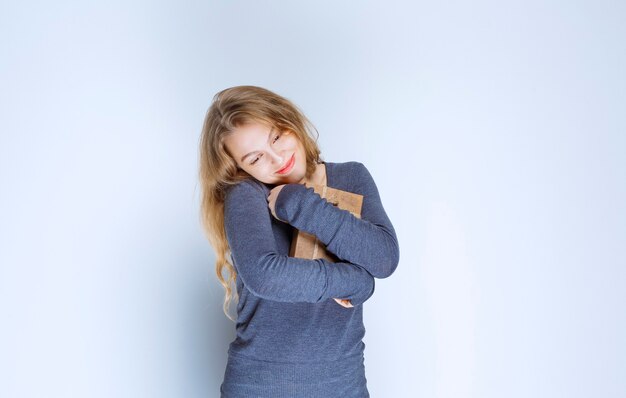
344 303
271 199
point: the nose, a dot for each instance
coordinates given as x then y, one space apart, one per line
278 159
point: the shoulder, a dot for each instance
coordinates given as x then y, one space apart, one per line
351 176
348 169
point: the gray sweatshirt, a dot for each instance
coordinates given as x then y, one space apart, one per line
292 338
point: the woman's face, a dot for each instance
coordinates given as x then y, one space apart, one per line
267 154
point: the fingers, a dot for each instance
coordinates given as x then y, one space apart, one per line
344 303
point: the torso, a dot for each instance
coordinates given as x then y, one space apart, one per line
324 332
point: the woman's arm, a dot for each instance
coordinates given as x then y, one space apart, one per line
274 276
369 241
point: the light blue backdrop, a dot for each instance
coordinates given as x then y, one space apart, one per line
496 132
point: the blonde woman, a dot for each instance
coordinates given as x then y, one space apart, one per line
299 325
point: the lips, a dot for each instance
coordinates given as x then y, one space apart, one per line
288 166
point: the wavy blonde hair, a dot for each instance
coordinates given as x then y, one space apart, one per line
232 108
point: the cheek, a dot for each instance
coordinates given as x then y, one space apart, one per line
292 141
263 170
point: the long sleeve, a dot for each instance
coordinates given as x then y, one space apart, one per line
369 241
273 276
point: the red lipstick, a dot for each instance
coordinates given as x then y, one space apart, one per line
287 167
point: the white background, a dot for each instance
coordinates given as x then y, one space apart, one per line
495 130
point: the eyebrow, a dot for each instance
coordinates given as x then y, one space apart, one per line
269 135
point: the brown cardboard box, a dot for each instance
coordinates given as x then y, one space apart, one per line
305 245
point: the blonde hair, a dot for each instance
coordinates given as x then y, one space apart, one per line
232 108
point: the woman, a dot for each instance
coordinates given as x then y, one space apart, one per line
256 154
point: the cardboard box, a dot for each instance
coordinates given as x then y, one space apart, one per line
305 245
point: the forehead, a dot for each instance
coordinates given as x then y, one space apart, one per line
247 138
